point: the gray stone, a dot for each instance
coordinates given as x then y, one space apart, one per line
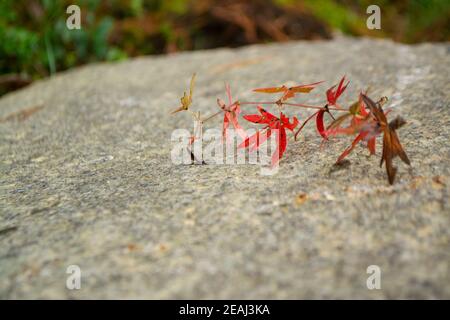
87 180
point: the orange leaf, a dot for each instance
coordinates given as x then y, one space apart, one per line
271 90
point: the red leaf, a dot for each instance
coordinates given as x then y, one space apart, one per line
226 121
255 118
272 122
320 125
232 112
281 146
340 88
333 96
287 124
283 141
266 115
330 95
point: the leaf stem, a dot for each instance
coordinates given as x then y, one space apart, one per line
253 103
292 105
212 116
311 107
304 124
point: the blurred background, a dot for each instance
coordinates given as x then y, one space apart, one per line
35 42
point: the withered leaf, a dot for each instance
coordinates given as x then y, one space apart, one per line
391 143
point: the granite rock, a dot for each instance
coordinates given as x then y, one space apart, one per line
87 180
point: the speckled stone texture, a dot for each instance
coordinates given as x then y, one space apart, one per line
88 180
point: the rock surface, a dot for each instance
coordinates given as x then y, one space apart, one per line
87 180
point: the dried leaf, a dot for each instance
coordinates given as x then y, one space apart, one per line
391 143
186 100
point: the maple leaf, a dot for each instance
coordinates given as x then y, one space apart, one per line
231 113
391 144
272 124
333 95
288 92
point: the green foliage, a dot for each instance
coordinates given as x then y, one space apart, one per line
337 15
34 38
426 16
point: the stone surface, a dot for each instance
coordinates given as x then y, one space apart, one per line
87 180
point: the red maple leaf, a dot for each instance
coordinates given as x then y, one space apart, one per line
333 95
272 124
231 113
